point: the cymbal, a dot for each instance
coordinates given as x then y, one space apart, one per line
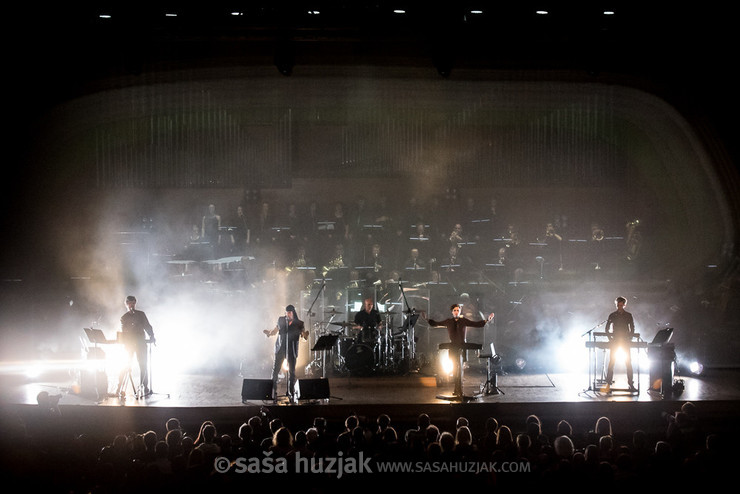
343 324
333 311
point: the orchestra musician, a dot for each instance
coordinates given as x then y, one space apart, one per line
620 328
596 245
553 242
289 330
210 225
456 331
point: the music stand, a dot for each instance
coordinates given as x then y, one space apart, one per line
324 343
97 337
491 385
662 337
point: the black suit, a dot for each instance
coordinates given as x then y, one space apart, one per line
286 346
135 327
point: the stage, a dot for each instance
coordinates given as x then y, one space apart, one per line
551 396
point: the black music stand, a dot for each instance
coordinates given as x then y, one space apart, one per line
97 337
493 362
324 343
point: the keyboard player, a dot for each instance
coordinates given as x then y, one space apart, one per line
456 330
620 328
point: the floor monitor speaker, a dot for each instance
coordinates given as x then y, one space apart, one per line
256 389
313 389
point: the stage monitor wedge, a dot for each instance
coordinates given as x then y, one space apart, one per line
256 389
313 389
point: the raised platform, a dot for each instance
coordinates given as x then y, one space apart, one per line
195 398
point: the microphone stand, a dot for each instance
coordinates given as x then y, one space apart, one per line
310 312
591 358
411 320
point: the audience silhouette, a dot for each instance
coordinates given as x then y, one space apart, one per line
671 455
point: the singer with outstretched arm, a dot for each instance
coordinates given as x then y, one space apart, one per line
456 330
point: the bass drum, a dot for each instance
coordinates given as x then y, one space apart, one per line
359 359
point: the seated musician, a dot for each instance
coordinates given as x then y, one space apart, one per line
368 322
456 330
620 327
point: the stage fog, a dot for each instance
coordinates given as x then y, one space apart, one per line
119 183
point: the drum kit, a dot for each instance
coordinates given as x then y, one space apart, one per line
359 351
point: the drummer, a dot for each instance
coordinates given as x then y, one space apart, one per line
368 322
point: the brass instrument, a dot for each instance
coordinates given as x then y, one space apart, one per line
377 266
597 235
337 262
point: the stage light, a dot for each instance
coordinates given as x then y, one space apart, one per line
34 371
520 363
696 368
445 363
620 355
285 367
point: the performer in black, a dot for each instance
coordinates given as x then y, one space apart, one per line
135 328
620 326
289 330
456 330
368 322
